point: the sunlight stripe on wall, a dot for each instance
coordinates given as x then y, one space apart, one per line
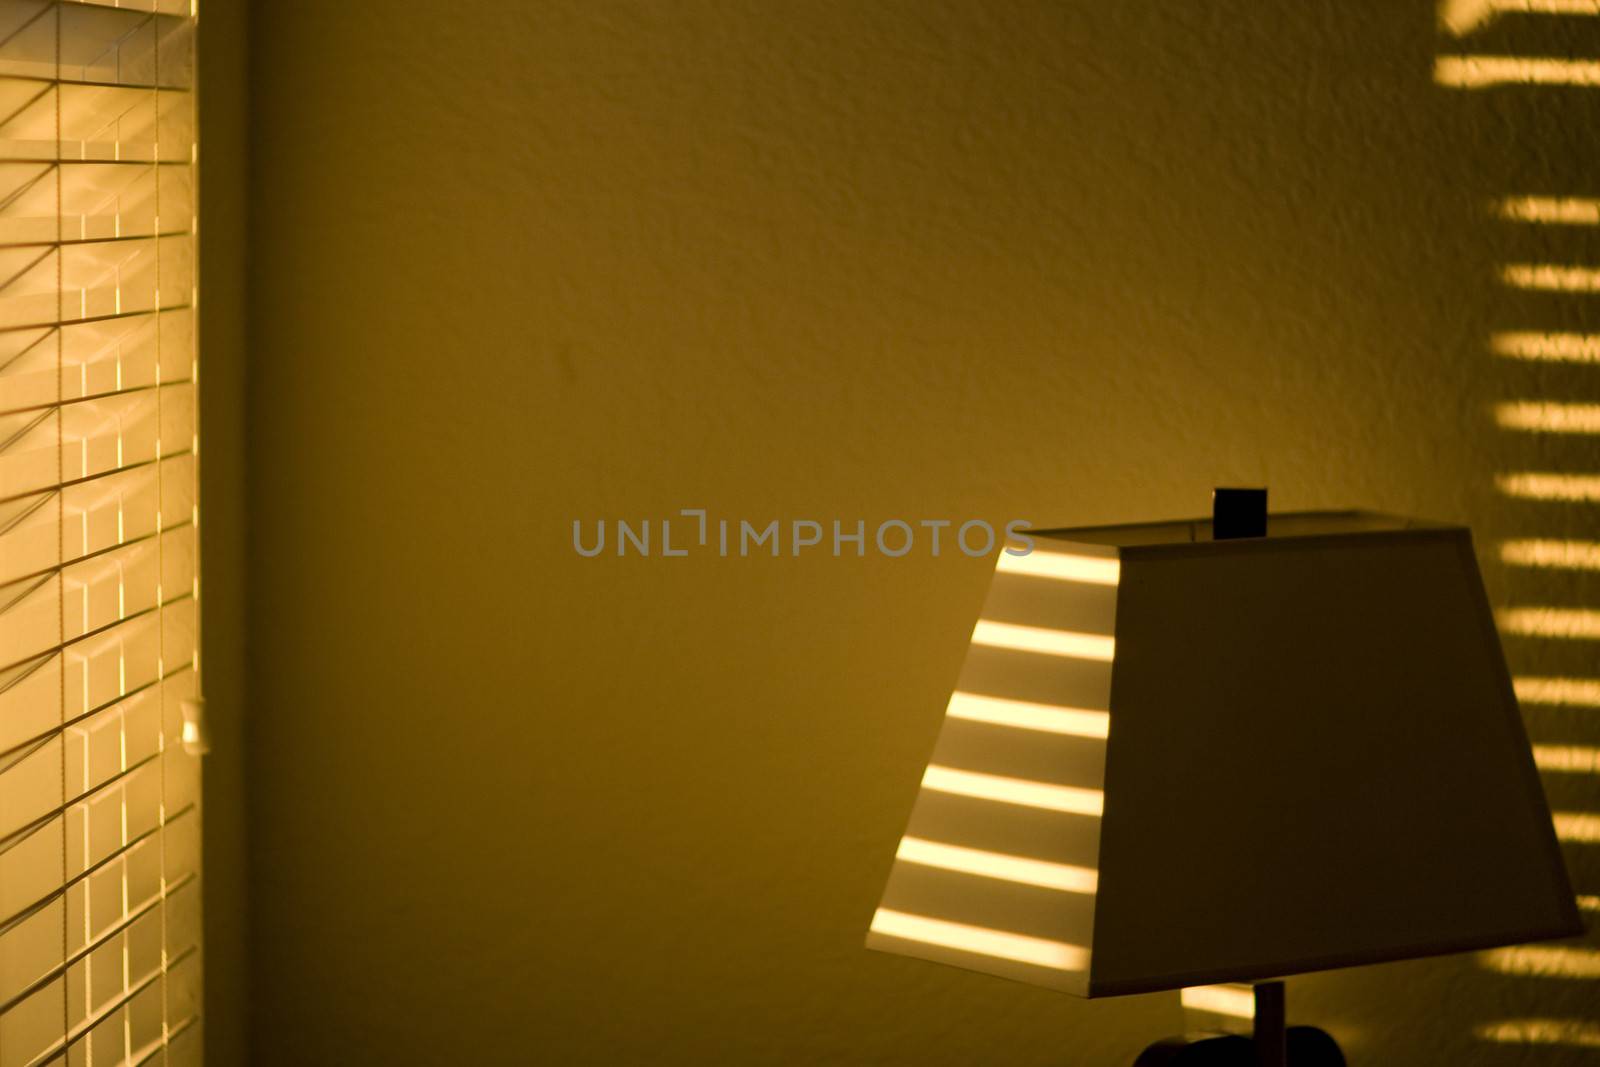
1045 642
1567 759
1234 1001
1041 952
1567 692
1461 17
1548 485
1549 7
1554 210
1575 1033
1543 961
1543 416
1568 623
997 865
1024 715
1020 791
1581 827
1549 347
1564 555
1551 277
1481 72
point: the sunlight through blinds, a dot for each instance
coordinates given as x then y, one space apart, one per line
99 593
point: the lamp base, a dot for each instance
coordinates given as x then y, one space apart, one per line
1274 1043
1307 1047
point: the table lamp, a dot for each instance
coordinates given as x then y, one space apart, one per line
1189 753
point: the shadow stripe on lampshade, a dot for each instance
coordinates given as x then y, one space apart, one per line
1030 910
1008 829
1059 759
1015 779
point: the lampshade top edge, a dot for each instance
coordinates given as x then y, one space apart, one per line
1280 526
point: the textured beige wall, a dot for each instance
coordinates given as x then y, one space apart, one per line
520 263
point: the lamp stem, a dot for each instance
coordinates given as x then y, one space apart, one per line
1271 1028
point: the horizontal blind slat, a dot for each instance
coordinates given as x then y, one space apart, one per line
22 746
78 1032
90 478
146 613
101 940
99 550
77 879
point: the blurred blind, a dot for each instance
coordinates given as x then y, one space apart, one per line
99 597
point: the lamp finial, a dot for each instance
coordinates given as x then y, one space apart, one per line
1238 513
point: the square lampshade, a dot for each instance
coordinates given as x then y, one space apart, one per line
1171 761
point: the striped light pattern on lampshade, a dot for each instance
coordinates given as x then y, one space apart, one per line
1176 761
99 590
997 870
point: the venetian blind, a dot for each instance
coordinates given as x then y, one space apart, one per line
99 594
